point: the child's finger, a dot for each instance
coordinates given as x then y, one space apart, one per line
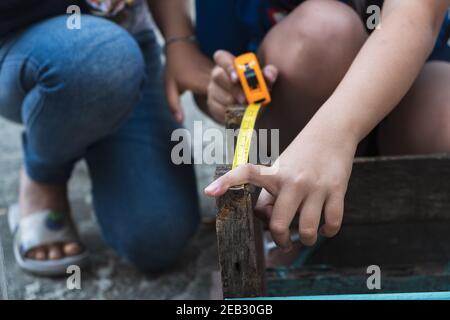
248 173
264 205
284 210
225 60
216 110
309 219
271 74
333 214
220 76
223 80
220 95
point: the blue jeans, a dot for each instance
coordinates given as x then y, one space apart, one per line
97 93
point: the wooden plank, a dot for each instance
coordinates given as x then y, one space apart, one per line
386 245
239 240
239 234
399 189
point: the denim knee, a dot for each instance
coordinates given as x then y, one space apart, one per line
95 73
158 246
80 86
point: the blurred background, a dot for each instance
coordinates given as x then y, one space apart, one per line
108 277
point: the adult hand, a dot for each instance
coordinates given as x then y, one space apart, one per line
224 88
186 69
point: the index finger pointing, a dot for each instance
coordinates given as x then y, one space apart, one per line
248 173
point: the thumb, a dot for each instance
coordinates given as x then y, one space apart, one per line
270 74
173 99
225 60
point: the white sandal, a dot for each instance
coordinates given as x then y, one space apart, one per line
39 229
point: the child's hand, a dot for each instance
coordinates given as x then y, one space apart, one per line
224 89
310 178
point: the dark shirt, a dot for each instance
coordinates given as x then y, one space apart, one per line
17 14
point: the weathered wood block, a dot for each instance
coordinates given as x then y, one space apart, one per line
233 116
239 239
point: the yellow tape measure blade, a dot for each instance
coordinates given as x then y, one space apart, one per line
244 139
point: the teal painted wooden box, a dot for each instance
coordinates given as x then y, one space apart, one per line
397 217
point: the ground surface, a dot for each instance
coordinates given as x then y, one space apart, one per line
109 277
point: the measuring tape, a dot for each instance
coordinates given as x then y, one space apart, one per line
257 94
244 139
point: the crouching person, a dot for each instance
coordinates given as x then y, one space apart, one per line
94 93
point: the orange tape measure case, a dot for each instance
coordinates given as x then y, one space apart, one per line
252 79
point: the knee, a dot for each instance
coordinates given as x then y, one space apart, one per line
317 37
154 251
100 62
323 23
155 246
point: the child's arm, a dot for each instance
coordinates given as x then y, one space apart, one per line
386 67
186 67
313 172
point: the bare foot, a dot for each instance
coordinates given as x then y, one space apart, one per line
35 197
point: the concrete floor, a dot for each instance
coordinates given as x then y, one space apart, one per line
108 277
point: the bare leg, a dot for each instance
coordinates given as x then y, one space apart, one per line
312 48
34 197
420 124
